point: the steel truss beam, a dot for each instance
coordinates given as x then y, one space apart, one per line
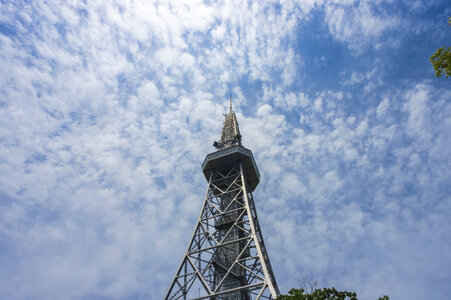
226 258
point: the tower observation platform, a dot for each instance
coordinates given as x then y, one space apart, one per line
226 257
222 159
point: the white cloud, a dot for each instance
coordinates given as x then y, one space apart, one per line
357 23
382 108
418 112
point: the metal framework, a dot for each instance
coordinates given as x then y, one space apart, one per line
226 257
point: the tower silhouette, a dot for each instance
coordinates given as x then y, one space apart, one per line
226 256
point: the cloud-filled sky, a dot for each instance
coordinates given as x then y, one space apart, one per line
107 110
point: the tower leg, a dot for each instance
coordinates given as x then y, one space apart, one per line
226 257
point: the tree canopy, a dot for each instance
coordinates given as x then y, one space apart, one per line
321 294
441 60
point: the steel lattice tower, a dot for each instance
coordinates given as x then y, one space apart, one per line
226 257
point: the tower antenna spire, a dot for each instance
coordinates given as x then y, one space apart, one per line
230 102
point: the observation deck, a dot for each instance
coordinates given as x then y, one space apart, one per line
223 159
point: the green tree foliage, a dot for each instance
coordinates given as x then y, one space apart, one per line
321 294
441 60
318 294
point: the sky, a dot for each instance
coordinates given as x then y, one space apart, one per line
108 108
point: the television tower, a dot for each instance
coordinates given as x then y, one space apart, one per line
226 257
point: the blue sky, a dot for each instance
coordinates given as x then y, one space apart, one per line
107 111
